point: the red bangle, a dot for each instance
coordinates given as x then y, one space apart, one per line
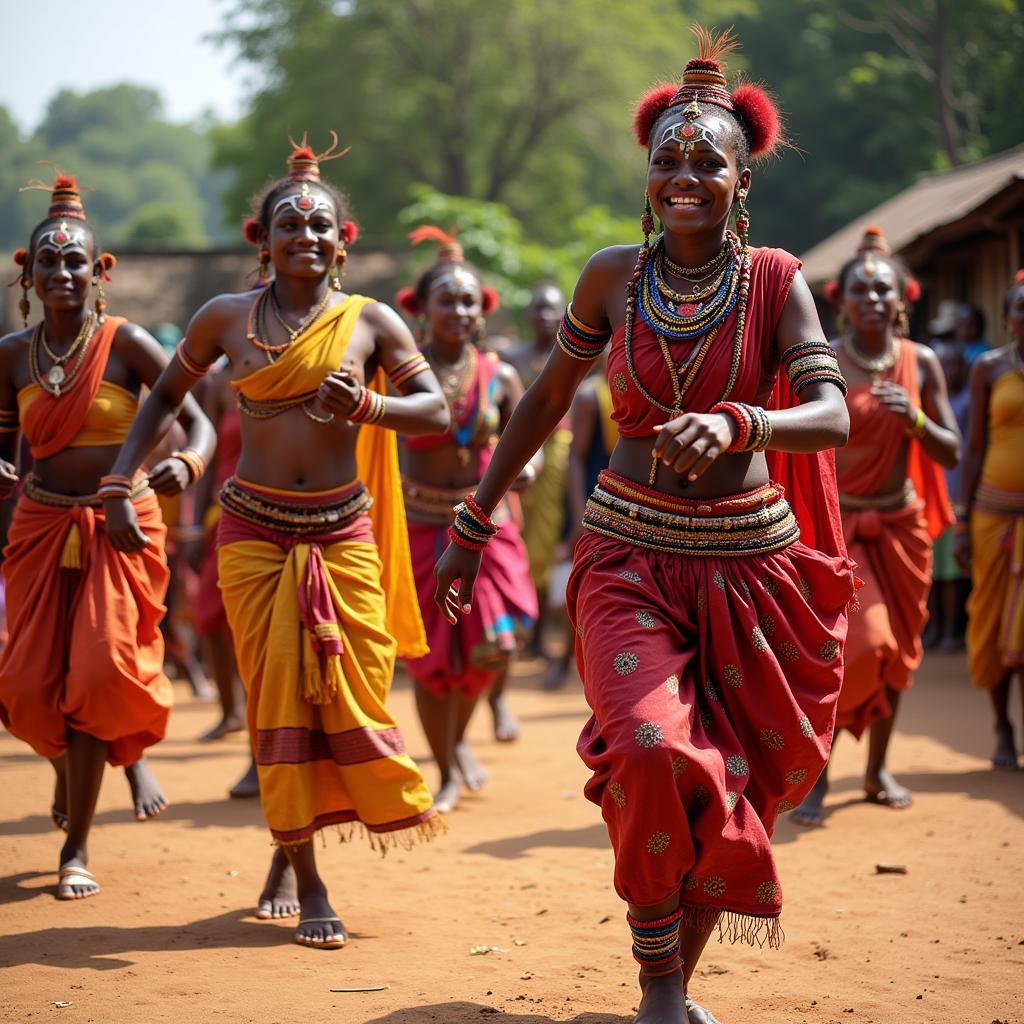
479 513
742 421
461 541
359 413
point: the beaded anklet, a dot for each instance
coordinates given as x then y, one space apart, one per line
656 944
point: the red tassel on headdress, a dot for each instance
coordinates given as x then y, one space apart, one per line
1018 278
449 250
304 164
490 299
832 293
65 195
20 257
406 300
912 292
251 230
349 232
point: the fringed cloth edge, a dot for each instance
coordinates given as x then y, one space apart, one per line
381 838
734 926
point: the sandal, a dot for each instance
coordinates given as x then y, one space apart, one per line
698 1015
71 875
335 941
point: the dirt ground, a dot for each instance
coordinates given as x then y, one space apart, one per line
525 868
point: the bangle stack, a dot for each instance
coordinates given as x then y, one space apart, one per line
472 528
188 364
115 486
812 362
370 409
917 430
755 429
194 463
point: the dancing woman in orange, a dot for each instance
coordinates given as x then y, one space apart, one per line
81 678
314 561
710 589
991 523
893 497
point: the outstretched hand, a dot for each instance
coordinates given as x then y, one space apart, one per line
690 443
455 574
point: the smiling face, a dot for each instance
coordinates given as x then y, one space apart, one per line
303 232
694 180
63 264
454 306
871 295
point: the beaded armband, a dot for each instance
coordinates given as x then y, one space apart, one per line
188 364
407 369
810 362
371 408
8 420
755 429
472 528
580 340
194 462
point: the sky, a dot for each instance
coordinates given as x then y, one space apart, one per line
46 46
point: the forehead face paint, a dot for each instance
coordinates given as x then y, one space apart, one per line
304 203
687 132
873 269
62 238
458 279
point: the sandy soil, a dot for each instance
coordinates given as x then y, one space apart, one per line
526 868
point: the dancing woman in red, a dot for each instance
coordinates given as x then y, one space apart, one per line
710 589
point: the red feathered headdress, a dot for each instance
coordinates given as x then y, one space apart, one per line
704 82
448 251
65 195
304 164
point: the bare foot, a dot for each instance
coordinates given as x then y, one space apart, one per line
472 771
1005 754
882 788
506 725
698 1015
280 896
447 797
320 927
147 796
248 786
663 1000
810 813
232 722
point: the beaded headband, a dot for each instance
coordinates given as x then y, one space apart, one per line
689 133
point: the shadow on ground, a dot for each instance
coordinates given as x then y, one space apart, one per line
458 1013
591 837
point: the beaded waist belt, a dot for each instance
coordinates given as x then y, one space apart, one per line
995 499
32 490
754 522
900 498
435 505
319 513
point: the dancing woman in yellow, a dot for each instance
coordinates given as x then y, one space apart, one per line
990 522
314 560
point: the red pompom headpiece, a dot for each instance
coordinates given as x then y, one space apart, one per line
1018 278
832 295
251 230
349 232
20 257
304 164
448 251
704 82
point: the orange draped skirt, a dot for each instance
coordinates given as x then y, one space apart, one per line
893 552
85 649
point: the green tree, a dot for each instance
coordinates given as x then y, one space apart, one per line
523 103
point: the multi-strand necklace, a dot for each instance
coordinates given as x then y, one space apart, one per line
677 317
58 379
458 382
873 365
256 327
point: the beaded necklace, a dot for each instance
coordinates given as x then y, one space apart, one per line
57 380
457 383
696 273
256 325
873 365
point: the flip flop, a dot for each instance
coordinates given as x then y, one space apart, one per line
698 1015
71 875
336 941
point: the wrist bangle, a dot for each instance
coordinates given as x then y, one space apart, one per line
194 462
918 427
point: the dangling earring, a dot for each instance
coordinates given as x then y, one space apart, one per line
24 307
841 321
263 271
480 334
902 322
337 271
647 221
101 300
742 220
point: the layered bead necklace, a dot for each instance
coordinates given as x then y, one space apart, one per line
256 327
457 381
59 380
673 316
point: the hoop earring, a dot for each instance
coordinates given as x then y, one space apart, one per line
902 321
100 304
24 306
263 269
337 271
742 220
